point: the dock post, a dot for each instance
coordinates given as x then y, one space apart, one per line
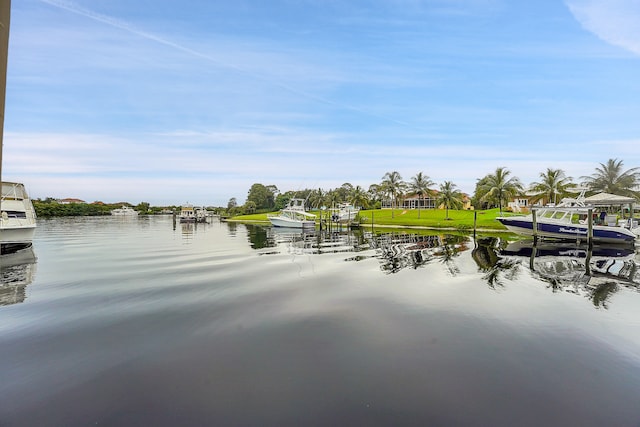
590 227
371 221
534 226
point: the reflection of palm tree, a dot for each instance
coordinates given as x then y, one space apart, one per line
449 252
485 253
509 268
601 293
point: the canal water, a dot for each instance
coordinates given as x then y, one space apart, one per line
119 321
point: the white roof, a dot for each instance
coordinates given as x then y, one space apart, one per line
605 199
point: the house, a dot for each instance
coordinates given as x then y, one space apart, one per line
414 201
69 201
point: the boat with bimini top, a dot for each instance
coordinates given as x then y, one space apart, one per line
569 220
293 216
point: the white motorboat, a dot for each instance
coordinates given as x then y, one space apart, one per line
17 218
293 216
202 215
344 212
569 221
187 214
124 211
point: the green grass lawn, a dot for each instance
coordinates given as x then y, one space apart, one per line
428 218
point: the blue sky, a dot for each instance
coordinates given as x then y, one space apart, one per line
194 101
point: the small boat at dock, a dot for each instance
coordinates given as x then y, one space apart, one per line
293 216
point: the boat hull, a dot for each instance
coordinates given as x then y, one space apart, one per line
16 238
277 221
563 231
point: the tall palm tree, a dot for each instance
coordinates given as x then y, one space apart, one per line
553 184
359 197
393 185
610 178
316 199
498 187
449 197
420 185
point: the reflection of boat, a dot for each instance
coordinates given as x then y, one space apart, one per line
17 218
293 216
124 211
17 270
526 248
569 221
596 272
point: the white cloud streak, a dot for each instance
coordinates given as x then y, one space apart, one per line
614 21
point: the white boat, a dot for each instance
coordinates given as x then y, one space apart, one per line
293 216
202 215
187 214
17 218
344 212
124 211
569 221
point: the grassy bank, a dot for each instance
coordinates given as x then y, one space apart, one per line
433 218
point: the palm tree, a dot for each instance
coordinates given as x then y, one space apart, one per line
553 184
499 187
393 185
610 178
359 197
449 197
317 198
420 185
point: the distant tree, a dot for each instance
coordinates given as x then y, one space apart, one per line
142 207
344 191
420 185
232 203
333 197
499 188
249 207
553 185
610 178
376 194
449 197
262 196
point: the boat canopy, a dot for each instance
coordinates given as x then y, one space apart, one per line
607 199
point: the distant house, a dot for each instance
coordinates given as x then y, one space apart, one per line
70 200
414 201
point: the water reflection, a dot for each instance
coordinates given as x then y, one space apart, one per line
596 273
396 251
17 271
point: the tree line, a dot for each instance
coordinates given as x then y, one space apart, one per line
494 190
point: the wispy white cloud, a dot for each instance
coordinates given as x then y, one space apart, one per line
614 21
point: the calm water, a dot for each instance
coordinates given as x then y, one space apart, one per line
130 322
